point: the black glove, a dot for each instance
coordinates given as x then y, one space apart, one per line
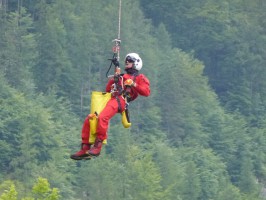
115 62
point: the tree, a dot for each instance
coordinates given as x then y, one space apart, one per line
18 49
54 70
143 177
208 173
227 37
172 170
41 190
10 192
181 86
182 144
230 192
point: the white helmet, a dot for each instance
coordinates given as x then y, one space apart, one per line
134 57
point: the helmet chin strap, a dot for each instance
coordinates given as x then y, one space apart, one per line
132 71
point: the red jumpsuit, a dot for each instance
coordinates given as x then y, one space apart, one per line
142 88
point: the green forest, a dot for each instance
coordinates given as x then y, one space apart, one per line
201 135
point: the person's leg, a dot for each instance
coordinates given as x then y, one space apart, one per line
85 146
107 113
85 131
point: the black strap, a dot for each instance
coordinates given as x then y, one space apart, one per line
119 104
125 95
127 115
126 92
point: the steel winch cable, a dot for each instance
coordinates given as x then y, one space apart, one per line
117 42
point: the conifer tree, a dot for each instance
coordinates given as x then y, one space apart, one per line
18 49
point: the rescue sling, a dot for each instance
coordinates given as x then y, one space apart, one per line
98 102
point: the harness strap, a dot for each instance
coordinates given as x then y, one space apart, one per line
125 95
119 104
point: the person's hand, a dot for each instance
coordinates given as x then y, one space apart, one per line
115 62
129 82
116 78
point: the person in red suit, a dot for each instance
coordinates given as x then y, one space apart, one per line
124 88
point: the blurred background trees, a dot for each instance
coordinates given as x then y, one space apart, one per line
201 133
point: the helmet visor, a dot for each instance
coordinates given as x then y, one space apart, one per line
130 59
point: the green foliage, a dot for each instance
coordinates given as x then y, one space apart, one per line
172 170
230 192
41 191
228 37
53 70
143 175
182 86
206 173
31 136
9 193
188 140
18 52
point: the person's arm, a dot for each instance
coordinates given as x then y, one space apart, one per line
142 85
109 85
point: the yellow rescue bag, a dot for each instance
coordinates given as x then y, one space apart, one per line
98 102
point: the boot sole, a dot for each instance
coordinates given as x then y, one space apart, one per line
94 155
88 157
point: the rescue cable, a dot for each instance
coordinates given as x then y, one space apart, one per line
117 42
117 75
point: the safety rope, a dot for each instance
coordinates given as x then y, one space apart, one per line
119 26
117 42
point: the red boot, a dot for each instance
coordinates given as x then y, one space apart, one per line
96 149
83 153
